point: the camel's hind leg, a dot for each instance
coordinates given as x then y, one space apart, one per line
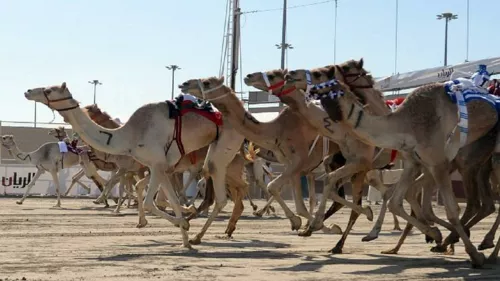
76 179
311 185
55 179
443 181
120 195
139 186
237 196
30 185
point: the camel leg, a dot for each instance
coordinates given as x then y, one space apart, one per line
299 197
336 206
264 209
238 208
345 171
396 202
357 193
110 184
55 178
254 207
219 179
30 185
75 179
402 238
208 198
374 178
120 195
311 185
443 181
139 186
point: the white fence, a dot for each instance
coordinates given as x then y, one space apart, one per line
15 178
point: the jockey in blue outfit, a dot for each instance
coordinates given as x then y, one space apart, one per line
480 77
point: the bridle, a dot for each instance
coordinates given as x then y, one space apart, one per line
205 92
49 101
280 85
356 77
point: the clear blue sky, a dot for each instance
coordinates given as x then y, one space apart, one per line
126 43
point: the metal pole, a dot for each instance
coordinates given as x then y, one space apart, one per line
335 36
173 82
95 87
235 42
35 116
467 45
283 37
446 42
396 41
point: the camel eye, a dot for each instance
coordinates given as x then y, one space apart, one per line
271 76
206 83
47 91
316 74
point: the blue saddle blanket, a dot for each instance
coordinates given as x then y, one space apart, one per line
470 92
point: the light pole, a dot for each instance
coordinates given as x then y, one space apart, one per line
95 83
283 51
447 17
173 67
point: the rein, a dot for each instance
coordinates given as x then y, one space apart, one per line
49 101
205 92
356 77
279 85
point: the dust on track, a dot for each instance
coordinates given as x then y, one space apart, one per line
82 241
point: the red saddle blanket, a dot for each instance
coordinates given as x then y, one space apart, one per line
214 116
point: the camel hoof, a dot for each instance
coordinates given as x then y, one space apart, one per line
439 249
369 213
436 234
429 239
478 261
57 206
192 209
258 214
97 202
19 202
195 241
332 229
229 231
296 222
369 238
336 250
142 223
305 233
254 207
450 252
486 244
390 252
397 228
272 209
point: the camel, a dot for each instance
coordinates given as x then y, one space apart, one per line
424 128
90 158
47 158
278 136
359 156
149 136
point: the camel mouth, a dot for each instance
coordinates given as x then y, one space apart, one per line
247 81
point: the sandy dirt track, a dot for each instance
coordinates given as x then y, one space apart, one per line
82 241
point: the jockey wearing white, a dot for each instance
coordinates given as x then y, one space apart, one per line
190 98
480 77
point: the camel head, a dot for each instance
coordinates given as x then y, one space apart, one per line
208 89
55 97
271 81
8 141
59 133
299 77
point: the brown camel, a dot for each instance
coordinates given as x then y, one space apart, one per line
424 128
358 154
150 136
278 136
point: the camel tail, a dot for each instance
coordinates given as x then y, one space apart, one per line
252 152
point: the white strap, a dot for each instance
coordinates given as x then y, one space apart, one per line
205 92
313 145
266 80
309 84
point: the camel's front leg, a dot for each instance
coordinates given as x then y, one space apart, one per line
139 186
55 178
110 184
120 195
346 171
311 185
76 179
374 178
30 185
237 197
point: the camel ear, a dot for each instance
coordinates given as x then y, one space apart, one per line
360 63
331 72
285 71
63 86
221 79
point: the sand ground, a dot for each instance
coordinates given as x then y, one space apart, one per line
82 241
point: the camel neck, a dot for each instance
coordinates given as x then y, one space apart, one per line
19 155
108 140
261 133
382 131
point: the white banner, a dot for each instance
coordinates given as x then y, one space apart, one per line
436 74
15 178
